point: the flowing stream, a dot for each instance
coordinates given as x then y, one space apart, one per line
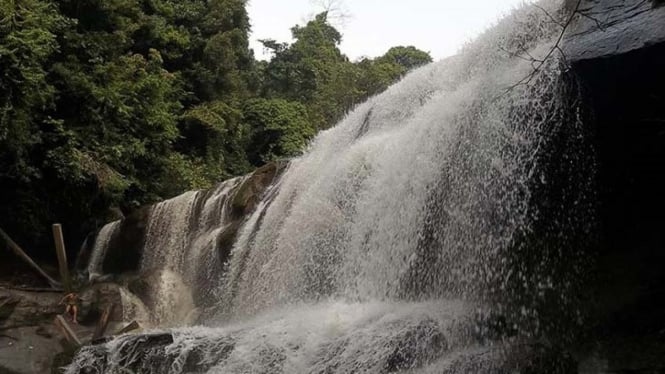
396 240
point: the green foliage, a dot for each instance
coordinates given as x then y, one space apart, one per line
213 132
27 41
279 129
314 71
378 74
406 58
119 103
310 71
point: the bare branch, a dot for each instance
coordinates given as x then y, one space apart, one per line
338 14
516 55
537 65
556 21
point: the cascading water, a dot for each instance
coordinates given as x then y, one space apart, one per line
397 239
179 247
99 249
179 258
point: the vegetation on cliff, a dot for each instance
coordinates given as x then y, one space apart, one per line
126 102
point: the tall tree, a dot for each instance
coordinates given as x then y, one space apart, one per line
28 33
307 70
314 71
28 43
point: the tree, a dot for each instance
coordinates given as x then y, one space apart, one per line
378 74
407 58
28 31
213 135
279 129
336 10
314 71
309 70
28 42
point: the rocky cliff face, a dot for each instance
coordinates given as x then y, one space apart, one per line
606 28
617 49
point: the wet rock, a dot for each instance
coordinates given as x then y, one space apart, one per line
125 248
251 191
28 339
85 252
23 308
613 27
413 347
417 347
142 286
621 69
26 350
148 354
96 298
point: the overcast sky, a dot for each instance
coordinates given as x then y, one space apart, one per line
440 27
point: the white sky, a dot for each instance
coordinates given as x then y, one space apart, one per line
440 27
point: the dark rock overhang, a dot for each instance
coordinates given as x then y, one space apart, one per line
616 48
604 28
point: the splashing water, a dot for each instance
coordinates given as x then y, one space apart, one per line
380 247
133 308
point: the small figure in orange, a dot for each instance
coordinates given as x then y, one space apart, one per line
71 305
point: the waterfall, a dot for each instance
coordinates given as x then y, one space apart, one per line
180 244
101 244
180 263
425 232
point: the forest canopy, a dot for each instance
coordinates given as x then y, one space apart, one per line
108 105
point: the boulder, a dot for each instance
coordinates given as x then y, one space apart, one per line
24 308
249 194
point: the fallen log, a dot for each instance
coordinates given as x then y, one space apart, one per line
30 289
21 254
67 331
62 257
